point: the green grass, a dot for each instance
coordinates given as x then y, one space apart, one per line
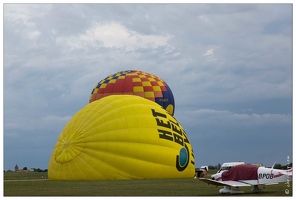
25 184
24 175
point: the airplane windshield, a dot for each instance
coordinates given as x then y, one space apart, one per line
224 168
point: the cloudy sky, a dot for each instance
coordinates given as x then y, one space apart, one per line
229 67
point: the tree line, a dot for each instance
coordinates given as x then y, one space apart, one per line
276 166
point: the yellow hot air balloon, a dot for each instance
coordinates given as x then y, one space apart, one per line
122 137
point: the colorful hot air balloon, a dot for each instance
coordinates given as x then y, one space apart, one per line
134 82
122 137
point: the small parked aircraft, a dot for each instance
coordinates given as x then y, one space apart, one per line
248 175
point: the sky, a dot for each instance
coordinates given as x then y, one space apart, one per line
229 67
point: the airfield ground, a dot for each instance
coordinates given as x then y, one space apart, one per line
37 184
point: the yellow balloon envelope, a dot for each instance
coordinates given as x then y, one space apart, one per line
122 137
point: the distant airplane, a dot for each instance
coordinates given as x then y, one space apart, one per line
248 175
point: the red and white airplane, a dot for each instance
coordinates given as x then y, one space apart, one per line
248 175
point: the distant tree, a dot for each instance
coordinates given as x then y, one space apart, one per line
277 166
289 166
212 167
39 170
25 168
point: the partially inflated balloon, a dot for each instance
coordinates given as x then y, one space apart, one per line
135 82
122 137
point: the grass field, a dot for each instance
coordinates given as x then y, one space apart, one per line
37 184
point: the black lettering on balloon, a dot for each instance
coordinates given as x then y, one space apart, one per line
178 139
158 114
185 137
175 133
165 135
175 126
161 123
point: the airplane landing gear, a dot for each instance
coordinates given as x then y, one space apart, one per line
256 189
224 190
234 190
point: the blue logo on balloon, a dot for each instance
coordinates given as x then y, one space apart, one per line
183 157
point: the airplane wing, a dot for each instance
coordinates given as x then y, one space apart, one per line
255 182
250 182
225 183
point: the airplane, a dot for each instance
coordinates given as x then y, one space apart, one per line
248 175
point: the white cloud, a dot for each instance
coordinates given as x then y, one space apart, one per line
23 124
24 12
33 34
21 17
227 118
54 119
203 18
209 52
114 35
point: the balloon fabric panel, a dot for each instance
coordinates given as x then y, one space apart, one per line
121 137
135 82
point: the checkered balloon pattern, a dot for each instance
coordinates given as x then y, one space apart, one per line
135 82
